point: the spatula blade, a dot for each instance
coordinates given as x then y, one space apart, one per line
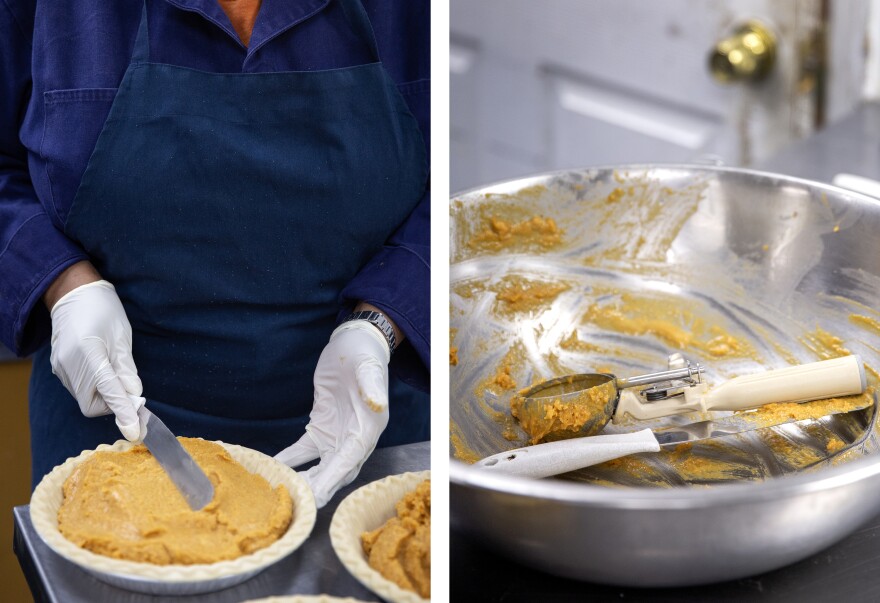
189 478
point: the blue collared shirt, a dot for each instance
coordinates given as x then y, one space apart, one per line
60 63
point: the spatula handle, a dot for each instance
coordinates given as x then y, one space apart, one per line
555 458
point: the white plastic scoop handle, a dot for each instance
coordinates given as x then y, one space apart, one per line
815 381
553 458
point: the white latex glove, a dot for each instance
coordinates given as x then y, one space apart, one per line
91 355
350 411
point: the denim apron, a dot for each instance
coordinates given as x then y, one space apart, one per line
229 211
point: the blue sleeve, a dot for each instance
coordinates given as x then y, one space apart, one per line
33 252
397 281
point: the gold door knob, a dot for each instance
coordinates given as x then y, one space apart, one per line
745 56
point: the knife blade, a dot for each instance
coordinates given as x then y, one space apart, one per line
189 478
738 423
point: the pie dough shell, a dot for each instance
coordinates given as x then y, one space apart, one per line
364 510
47 498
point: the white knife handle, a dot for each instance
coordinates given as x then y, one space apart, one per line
815 381
555 458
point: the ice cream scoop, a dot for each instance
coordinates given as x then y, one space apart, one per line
581 405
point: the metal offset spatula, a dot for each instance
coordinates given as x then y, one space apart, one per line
555 458
189 478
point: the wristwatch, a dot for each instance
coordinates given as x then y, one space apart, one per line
378 320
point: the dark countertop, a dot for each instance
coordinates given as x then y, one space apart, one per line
848 571
312 569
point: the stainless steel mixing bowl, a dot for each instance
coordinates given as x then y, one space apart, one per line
773 258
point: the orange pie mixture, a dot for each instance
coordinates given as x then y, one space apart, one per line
123 505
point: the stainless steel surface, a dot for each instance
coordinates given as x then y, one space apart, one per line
773 258
312 569
177 463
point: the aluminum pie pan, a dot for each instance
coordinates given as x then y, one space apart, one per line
647 535
176 580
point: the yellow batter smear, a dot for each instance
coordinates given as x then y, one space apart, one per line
791 453
400 550
515 294
554 419
453 350
124 505
824 344
774 414
460 450
667 320
501 383
653 214
615 195
503 379
537 232
866 322
700 468
574 343
834 446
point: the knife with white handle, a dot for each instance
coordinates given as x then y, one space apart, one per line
189 478
555 458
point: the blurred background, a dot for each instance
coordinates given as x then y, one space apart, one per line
539 86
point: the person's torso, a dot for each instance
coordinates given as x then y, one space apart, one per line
82 49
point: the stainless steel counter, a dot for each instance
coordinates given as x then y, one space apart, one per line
313 569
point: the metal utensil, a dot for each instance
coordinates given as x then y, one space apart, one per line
555 458
681 390
189 478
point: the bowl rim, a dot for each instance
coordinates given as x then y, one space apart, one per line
520 182
588 495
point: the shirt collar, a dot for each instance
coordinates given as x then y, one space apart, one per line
275 16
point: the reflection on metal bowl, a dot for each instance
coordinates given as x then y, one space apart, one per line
613 269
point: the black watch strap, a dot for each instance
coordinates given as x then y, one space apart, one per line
378 320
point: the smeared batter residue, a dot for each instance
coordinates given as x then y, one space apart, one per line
669 321
537 232
516 294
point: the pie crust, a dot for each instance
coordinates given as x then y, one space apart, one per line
47 498
366 509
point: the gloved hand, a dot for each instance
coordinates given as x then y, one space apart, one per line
91 355
350 411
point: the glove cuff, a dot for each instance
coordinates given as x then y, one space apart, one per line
78 291
368 328
378 320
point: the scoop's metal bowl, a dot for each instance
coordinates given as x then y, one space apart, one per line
781 263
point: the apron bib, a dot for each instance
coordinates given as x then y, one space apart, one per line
229 211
